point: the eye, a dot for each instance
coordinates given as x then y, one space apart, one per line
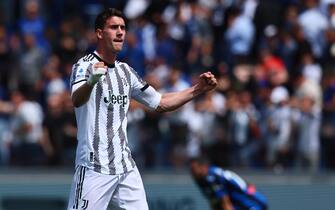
114 27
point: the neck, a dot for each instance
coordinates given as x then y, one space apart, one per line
205 170
106 55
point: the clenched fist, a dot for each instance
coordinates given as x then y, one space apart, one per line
98 70
207 82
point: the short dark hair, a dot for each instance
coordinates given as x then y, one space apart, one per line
100 21
202 160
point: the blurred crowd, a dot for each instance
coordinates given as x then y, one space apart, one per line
274 59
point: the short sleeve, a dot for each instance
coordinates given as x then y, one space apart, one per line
149 97
80 73
143 92
217 182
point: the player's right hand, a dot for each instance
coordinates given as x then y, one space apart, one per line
98 70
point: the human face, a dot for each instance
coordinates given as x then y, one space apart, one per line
113 34
198 170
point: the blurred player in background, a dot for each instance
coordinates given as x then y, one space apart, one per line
224 189
101 90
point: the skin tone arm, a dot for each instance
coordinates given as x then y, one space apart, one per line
172 101
169 101
81 95
226 203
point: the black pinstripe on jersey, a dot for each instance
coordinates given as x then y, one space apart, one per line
122 114
110 130
127 74
96 135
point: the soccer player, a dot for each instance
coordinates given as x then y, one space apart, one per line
101 90
224 189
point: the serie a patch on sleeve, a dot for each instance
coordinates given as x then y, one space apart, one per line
80 74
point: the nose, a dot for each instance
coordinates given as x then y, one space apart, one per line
119 33
120 30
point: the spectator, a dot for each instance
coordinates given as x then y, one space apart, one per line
27 146
279 128
314 25
274 68
176 125
242 118
52 76
69 131
30 63
201 125
239 36
307 87
32 23
52 128
308 131
310 69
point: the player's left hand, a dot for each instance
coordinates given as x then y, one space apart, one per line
207 81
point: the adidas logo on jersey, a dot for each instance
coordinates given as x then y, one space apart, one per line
116 99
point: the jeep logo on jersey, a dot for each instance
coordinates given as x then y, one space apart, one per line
116 99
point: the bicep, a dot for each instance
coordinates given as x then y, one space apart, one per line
76 86
142 92
148 97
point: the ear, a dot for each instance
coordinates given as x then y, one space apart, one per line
98 32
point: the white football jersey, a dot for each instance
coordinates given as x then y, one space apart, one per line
102 120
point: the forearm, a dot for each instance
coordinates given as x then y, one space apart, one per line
172 101
226 203
81 95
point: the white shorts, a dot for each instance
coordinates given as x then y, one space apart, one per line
91 190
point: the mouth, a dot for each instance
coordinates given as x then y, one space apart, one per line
118 40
